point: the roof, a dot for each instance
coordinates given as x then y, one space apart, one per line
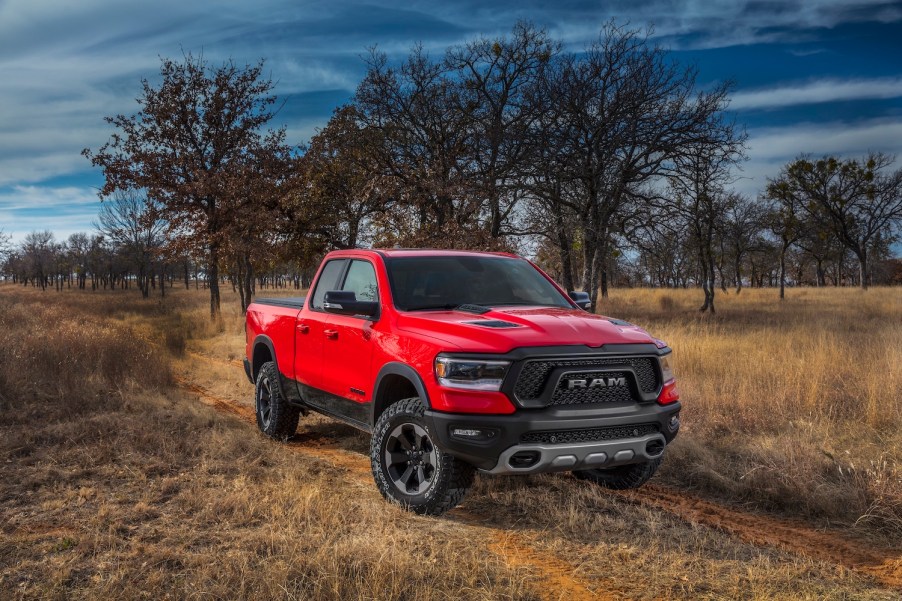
426 252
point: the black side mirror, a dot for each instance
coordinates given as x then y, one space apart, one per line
344 302
581 299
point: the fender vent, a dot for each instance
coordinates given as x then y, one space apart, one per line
493 323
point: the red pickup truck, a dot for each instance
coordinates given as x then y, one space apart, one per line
462 361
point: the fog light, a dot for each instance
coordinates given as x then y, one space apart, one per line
674 424
467 433
473 434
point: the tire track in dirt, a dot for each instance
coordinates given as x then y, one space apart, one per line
884 565
554 578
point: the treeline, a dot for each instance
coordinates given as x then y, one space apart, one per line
611 165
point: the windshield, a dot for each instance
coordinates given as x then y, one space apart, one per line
421 283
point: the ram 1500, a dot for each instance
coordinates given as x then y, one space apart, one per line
457 362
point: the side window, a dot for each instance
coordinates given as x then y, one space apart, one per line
328 280
361 280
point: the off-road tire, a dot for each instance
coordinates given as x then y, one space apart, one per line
450 477
276 417
621 477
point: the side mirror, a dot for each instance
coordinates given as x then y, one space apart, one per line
344 302
581 299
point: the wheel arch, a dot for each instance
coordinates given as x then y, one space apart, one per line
395 382
264 351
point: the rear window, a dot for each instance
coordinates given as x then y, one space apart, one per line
423 283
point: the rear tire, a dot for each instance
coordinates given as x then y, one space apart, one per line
621 477
276 417
409 469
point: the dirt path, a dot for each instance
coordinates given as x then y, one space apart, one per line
884 565
554 578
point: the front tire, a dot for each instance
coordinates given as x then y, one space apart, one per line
276 417
621 477
409 469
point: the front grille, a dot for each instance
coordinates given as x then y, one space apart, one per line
534 375
578 396
589 434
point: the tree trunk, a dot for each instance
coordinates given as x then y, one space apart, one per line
863 268
564 247
783 272
590 282
213 279
248 283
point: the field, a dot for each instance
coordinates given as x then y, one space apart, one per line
130 467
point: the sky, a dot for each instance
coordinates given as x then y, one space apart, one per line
811 76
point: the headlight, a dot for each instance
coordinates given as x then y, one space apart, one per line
470 373
666 370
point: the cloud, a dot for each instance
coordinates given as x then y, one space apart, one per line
814 92
807 51
65 65
63 210
771 148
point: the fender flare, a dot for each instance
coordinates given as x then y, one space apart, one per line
264 340
395 368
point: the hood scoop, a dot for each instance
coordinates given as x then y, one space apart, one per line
470 308
619 322
493 323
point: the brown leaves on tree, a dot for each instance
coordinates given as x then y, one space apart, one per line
198 148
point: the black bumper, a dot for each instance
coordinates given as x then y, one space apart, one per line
555 426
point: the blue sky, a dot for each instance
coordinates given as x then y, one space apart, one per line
815 76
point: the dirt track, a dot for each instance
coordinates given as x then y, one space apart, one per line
557 577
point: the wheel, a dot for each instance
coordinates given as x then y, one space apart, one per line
276 417
621 477
407 466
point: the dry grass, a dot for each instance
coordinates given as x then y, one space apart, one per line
116 484
112 486
794 405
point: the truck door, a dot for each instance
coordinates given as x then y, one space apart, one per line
348 350
309 336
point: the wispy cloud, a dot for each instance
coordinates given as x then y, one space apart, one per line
65 65
807 51
771 148
815 92
63 210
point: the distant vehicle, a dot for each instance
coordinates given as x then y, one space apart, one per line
461 361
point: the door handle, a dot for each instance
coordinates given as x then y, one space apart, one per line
303 328
331 334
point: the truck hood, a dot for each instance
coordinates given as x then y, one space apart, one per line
505 328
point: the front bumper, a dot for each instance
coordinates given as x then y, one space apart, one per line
502 450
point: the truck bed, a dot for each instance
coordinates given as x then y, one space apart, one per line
291 302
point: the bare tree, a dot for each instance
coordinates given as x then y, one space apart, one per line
743 229
496 78
129 220
787 221
859 199
38 254
625 112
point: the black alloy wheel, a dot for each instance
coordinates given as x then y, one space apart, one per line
410 458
